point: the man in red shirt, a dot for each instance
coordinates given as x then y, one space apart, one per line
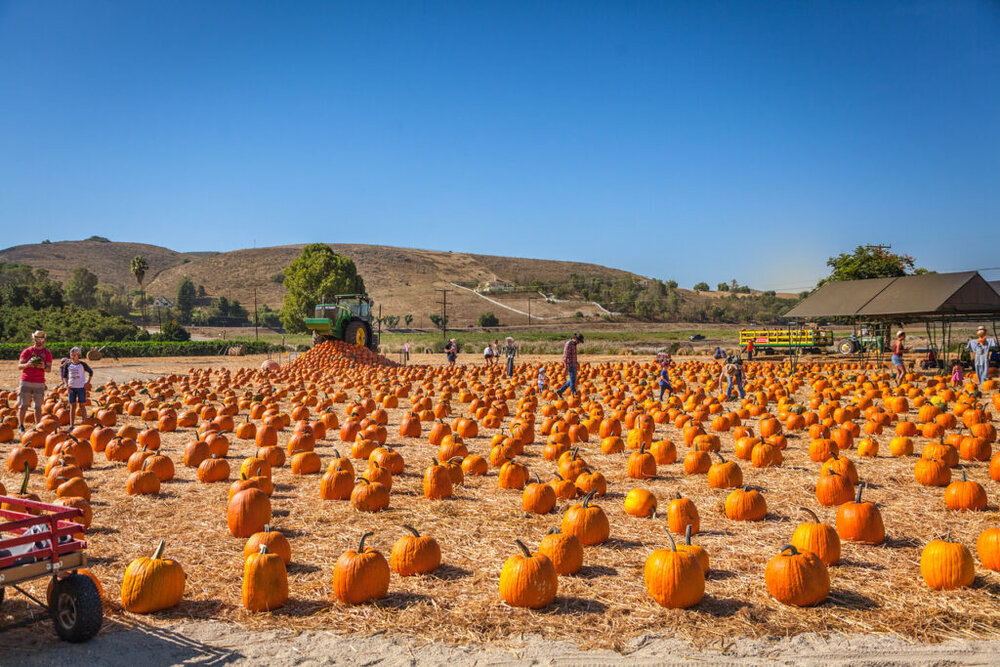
34 363
571 364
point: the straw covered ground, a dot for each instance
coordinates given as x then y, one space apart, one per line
875 589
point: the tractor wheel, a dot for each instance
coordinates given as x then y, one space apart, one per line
847 346
357 332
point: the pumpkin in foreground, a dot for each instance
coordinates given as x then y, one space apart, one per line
152 584
528 580
675 579
946 565
414 554
797 578
265 581
361 576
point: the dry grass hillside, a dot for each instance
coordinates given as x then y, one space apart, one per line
403 280
110 261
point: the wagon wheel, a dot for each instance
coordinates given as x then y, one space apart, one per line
2 589
76 608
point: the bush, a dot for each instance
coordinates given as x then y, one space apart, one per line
66 323
173 331
701 287
488 320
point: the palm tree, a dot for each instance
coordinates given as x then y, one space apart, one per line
139 268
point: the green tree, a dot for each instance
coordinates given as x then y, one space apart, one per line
408 319
81 288
701 287
139 268
438 321
868 261
723 287
186 295
173 331
488 320
313 277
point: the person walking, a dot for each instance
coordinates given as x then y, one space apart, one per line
510 350
488 355
406 352
571 364
732 373
898 348
34 363
665 385
980 347
75 374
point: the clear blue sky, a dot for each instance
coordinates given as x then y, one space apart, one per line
687 140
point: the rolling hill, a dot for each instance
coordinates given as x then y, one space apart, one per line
401 280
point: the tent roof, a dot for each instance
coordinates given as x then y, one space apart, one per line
963 293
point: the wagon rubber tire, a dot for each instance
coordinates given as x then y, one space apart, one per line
2 589
76 608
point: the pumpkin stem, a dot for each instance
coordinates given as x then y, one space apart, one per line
964 478
721 460
361 546
586 498
687 535
554 530
673 545
263 549
789 547
24 482
361 479
524 549
857 497
538 480
559 477
158 553
810 513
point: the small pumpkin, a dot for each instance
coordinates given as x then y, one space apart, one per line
265 581
414 554
675 579
946 565
362 575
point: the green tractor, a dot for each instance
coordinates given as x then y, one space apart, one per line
348 318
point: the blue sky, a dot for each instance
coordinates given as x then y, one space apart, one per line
681 140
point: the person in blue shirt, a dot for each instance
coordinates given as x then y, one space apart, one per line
665 385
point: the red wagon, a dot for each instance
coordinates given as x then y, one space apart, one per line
39 541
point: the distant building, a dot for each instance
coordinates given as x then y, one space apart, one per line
495 286
162 302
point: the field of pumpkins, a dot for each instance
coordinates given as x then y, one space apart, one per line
346 493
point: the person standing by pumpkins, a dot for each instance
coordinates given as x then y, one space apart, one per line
34 363
571 364
980 347
75 373
406 352
451 352
898 348
751 348
510 350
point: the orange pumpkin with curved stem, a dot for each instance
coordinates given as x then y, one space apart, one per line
361 575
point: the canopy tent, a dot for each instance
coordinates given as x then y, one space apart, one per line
930 296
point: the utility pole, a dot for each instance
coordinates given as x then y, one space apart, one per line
256 334
444 312
529 311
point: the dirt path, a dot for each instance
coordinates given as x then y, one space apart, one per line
216 643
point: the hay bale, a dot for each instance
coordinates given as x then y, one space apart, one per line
236 351
93 354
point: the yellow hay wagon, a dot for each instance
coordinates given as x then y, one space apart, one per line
808 340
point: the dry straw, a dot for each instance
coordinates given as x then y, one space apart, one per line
874 589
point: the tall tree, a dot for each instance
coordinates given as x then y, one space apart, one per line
186 295
870 261
314 276
81 288
139 268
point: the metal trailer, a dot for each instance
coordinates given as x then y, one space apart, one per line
56 553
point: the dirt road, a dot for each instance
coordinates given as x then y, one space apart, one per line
216 643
